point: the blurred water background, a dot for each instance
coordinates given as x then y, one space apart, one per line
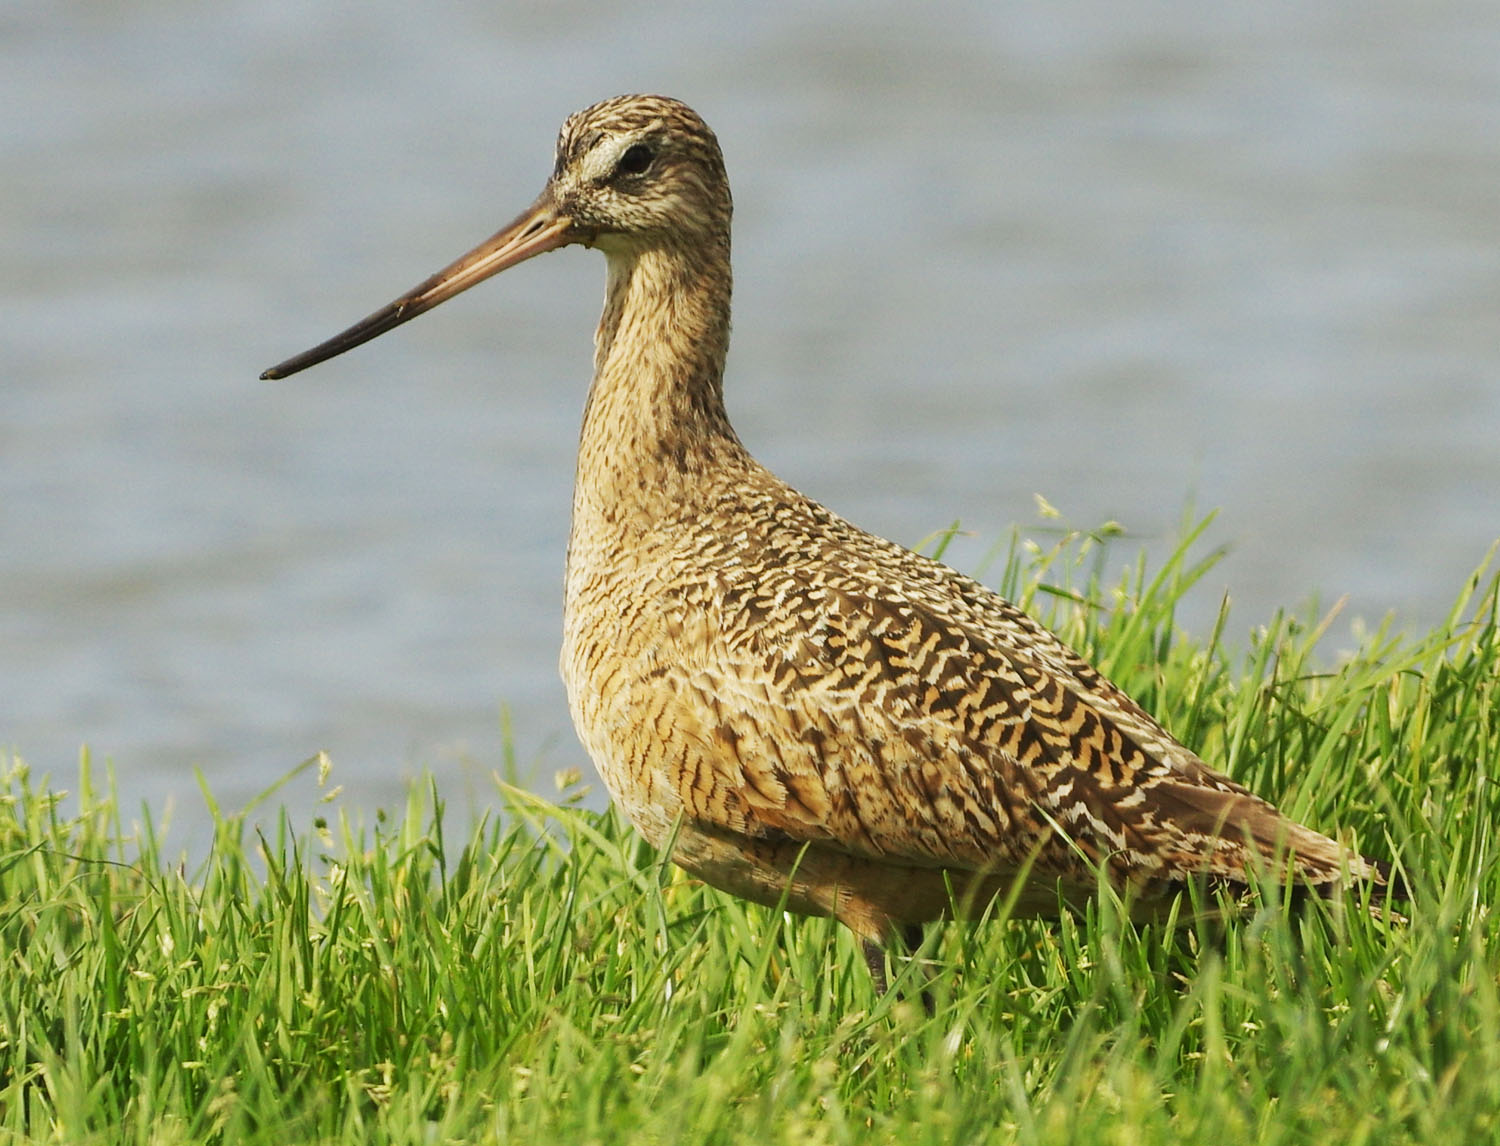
1123 256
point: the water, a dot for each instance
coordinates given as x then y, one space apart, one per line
1122 256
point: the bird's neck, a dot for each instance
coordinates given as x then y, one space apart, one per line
655 428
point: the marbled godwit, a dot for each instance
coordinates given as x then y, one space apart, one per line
811 714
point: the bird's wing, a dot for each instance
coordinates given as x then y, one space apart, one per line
942 726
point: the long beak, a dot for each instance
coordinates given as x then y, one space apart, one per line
542 227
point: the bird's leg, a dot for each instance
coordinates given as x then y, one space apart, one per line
911 938
911 935
875 961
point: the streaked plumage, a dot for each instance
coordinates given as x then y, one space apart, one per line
782 695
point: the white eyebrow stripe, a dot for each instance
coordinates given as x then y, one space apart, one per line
600 161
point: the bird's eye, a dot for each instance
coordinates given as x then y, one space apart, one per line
636 159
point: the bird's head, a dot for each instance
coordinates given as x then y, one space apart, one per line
639 171
631 174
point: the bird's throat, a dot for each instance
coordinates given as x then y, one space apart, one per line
655 420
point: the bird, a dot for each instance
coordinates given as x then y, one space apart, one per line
807 715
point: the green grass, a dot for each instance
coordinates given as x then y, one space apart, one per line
540 977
